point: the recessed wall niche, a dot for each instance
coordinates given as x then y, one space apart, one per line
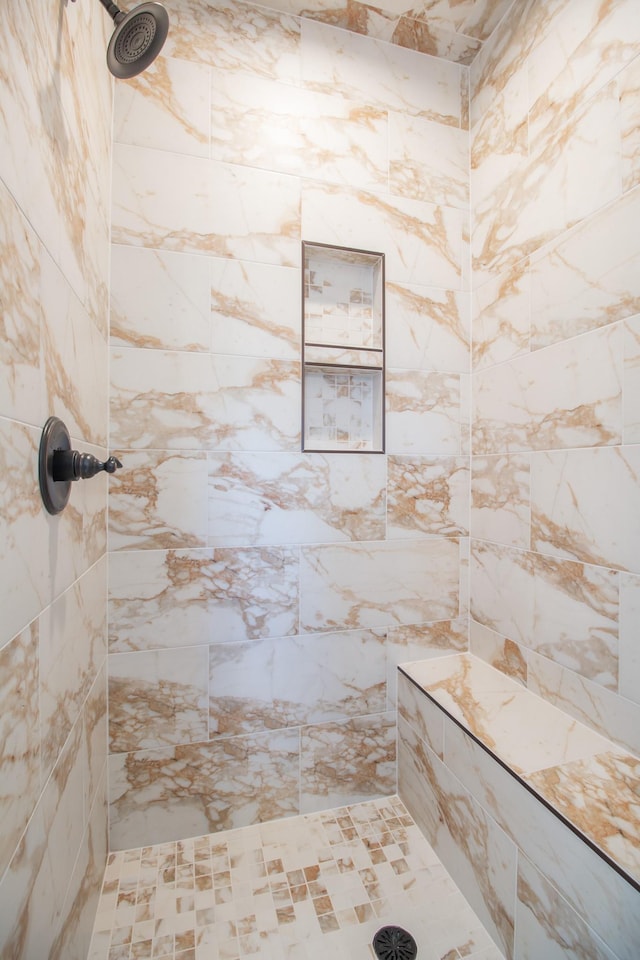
342 349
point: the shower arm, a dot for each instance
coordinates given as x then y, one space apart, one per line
114 12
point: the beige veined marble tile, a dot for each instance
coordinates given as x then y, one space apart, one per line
20 761
500 499
428 161
275 497
165 107
629 88
378 584
424 412
337 675
396 78
260 122
427 328
568 489
177 598
427 496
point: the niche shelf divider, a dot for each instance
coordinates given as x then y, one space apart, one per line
343 362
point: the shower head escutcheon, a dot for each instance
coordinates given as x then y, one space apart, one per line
137 39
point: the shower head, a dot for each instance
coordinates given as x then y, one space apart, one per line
137 39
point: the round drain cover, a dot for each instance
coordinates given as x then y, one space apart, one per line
394 943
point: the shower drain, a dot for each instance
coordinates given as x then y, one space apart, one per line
394 943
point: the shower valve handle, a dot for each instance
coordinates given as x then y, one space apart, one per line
73 465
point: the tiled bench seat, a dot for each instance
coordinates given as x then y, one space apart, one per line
536 816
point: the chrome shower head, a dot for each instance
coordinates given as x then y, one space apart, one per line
137 39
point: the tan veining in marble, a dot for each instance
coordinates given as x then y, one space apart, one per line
151 713
19 738
600 796
426 495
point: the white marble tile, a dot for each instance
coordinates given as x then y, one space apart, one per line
421 714
568 489
263 123
546 926
631 381
204 401
613 716
159 501
165 107
21 384
427 496
427 328
160 795
598 893
422 242
588 277
575 620
419 641
378 584
72 649
292 681
428 161
225 35
523 730
189 204
570 395
94 721
629 631
255 309
347 761
500 499
394 79
424 412
291 498
501 317
157 697
160 299
503 590
498 651
20 736
586 48
177 598
479 856
629 87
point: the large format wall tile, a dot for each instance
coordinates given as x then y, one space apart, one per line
395 79
160 299
20 736
159 501
379 584
424 412
221 34
428 161
579 282
261 123
176 598
295 498
500 499
468 841
205 401
568 489
72 650
422 242
165 107
427 328
293 681
427 496
347 762
199 788
629 87
501 317
570 395
190 204
157 697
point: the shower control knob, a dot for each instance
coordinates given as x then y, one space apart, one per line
73 465
59 466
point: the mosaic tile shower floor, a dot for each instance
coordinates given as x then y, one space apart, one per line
308 888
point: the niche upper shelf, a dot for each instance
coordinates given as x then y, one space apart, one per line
343 349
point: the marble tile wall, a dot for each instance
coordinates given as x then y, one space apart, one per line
55 130
556 297
260 597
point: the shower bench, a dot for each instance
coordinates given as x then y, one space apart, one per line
535 815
